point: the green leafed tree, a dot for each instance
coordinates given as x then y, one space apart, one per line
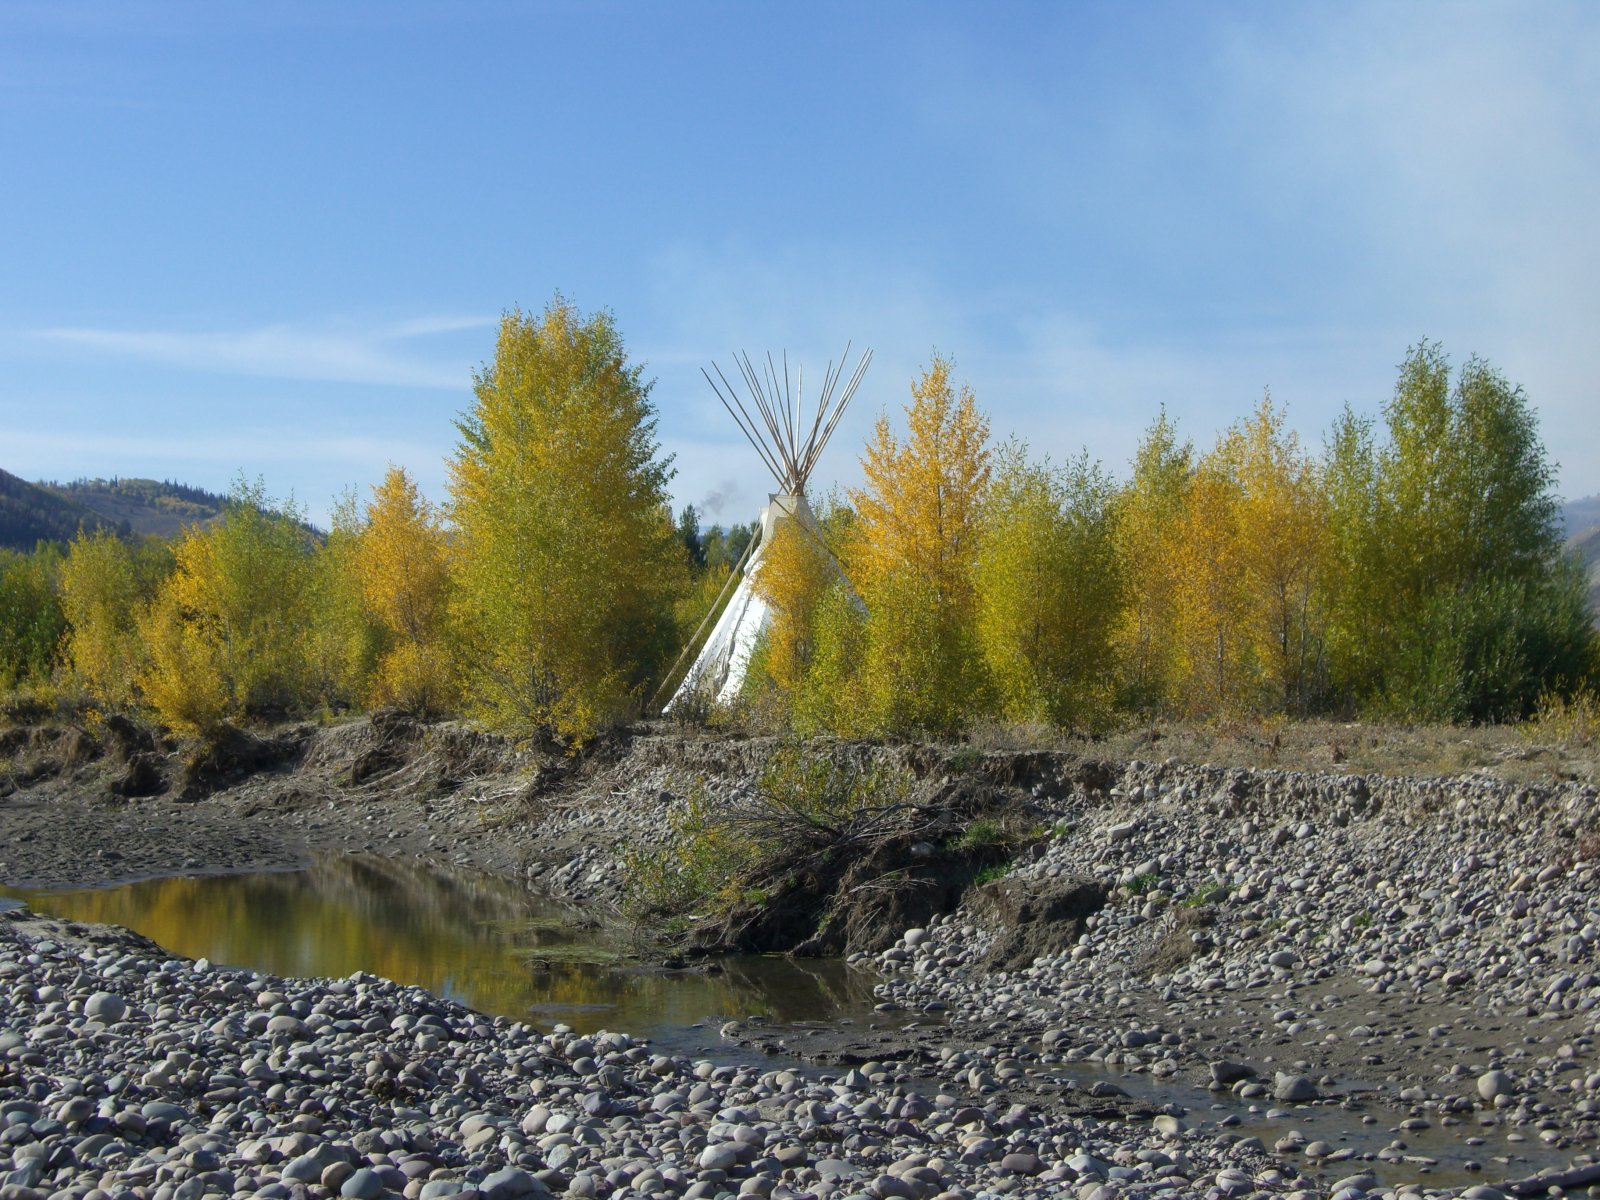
1049 590
1150 511
568 560
1453 598
31 620
343 639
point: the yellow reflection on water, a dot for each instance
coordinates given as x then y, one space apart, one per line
471 938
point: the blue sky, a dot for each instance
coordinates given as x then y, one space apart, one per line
276 239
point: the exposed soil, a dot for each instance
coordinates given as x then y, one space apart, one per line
86 809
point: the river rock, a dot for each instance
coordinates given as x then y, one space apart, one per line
362 1185
105 1007
1493 1084
1293 1089
1225 1074
510 1183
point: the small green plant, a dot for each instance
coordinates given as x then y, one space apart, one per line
1570 722
980 835
1203 896
694 871
1361 920
1140 884
694 709
990 874
742 848
965 759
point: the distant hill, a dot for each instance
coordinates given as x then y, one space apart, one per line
145 506
30 514
1579 516
1587 547
54 512
1580 520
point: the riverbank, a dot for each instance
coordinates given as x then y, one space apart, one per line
1388 981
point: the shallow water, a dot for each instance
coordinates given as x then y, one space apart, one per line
1435 1157
471 938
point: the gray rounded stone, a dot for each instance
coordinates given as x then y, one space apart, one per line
362 1185
1492 1084
106 1007
1293 1089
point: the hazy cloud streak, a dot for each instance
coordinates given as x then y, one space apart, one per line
372 356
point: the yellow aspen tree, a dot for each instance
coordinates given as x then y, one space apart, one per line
1284 555
1149 514
225 631
914 554
1212 618
101 595
796 571
567 562
795 576
184 679
1049 590
400 560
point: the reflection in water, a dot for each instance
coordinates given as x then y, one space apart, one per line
475 939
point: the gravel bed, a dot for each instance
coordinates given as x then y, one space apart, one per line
129 1075
1308 943
1323 951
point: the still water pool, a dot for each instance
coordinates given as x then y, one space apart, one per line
478 940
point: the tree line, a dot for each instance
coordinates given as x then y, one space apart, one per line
1410 568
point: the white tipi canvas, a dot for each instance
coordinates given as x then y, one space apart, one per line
789 447
718 673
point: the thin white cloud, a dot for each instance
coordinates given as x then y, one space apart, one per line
231 451
379 355
426 326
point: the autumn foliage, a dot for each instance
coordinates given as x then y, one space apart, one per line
913 557
400 557
567 561
1418 576
1409 567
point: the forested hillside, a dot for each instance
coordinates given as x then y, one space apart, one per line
1581 521
1587 547
146 506
30 514
53 512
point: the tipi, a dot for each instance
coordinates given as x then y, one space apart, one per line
789 446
